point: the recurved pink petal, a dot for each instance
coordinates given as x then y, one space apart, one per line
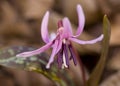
67 27
53 54
35 52
59 46
44 28
87 42
81 20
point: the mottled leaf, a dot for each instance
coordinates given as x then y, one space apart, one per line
8 58
34 63
98 70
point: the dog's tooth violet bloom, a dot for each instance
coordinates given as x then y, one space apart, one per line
61 42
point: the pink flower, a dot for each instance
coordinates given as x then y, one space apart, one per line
61 43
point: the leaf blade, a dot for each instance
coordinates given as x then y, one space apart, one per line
34 63
97 72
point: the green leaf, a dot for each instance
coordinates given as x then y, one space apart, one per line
34 63
98 70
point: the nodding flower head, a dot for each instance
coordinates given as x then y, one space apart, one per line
61 42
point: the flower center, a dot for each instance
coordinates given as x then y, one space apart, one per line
60 27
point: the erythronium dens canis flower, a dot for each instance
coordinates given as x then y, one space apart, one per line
61 42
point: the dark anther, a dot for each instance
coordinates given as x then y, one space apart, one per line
72 52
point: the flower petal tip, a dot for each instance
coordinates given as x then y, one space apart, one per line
20 55
24 54
47 66
47 13
101 37
78 6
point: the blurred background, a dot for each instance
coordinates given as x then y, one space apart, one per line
20 22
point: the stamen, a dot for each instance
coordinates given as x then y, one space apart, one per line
59 59
73 56
64 61
64 41
60 23
65 50
63 66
